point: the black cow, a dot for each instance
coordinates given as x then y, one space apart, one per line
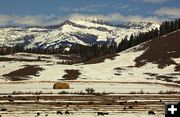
151 113
38 113
102 113
3 109
130 107
67 113
59 112
11 100
106 113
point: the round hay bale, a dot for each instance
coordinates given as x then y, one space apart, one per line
60 85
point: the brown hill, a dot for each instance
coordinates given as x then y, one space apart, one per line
161 50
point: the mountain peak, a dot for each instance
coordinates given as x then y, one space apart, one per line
66 22
140 25
81 31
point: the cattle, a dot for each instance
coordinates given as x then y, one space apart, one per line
67 113
38 113
102 113
121 103
130 107
59 112
108 104
70 103
3 109
90 103
23 99
136 102
11 100
151 113
9 96
106 113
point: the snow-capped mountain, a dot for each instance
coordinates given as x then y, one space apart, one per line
83 32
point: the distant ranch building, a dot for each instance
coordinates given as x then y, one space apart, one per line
66 50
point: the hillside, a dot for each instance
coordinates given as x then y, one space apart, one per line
164 51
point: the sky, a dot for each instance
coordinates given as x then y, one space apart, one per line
50 12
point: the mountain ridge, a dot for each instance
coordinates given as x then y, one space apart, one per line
72 32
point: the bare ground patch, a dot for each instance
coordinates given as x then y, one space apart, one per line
68 57
167 78
16 59
71 74
24 73
119 68
151 74
160 51
177 68
100 59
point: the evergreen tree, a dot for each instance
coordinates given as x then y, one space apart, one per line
176 24
179 23
172 26
131 41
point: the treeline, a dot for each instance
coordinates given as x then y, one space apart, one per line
169 26
93 51
136 39
165 27
96 50
86 52
11 50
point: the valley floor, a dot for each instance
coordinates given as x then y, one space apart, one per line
121 89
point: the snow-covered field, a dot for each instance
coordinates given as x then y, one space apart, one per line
117 76
119 69
76 87
100 76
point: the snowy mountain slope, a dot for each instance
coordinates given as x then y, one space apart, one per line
13 36
69 32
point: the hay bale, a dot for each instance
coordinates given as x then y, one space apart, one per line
60 85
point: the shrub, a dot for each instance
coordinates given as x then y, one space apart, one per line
141 92
38 92
138 92
63 92
133 92
161 92
90 90
168 92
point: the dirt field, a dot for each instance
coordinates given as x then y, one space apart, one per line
112 105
